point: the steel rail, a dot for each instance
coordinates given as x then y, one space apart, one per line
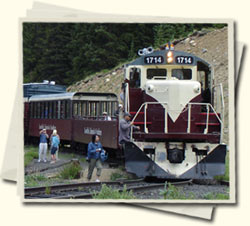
89 195
59 187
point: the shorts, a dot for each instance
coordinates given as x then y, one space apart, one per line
53 150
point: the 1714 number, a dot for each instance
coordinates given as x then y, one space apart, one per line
184 60
153 60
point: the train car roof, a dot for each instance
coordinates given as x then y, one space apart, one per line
140 60
74 96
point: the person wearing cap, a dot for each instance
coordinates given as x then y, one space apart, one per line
117 112
43 145
125 127
106 117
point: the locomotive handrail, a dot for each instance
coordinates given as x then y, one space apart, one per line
208 106
145 105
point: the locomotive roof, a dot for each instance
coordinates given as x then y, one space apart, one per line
74 96
140 60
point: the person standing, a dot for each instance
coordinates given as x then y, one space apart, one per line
43 145
94 157
54 133
125 127
55 141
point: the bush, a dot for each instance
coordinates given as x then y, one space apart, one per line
110 193
29 155
72 171
171 192
33 180
218 196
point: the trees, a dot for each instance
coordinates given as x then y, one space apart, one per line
68 52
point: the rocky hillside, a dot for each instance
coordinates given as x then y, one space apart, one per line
211 46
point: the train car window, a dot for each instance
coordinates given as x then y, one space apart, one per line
42 109
38 110
83 108
156 73
31 110
54 109
58 109
113 108
135 77
62 110
50 109
79 108
75 109
182 74
46 110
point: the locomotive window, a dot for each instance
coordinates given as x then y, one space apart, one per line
182 74
135 77
156 73
202 79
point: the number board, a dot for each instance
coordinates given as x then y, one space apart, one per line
153 60
184 60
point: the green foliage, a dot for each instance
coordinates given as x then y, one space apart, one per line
218 196
109 193
68 52
72 171
172 192
47 190
115 176
30 154
33 180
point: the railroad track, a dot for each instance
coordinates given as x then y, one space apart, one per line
85 190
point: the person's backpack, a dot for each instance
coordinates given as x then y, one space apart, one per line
103 156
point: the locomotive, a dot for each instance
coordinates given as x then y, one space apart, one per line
172 97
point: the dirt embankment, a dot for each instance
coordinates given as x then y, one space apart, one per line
211 46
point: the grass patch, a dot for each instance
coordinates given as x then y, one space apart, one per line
120 173
72 171
110 193
83 160
33 180
47 190
218 196
30 153
172 192
115 176
224 177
